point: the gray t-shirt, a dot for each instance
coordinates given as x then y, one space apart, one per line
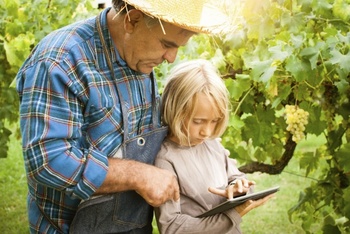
197 168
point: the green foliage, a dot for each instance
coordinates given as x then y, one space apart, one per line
22 25
279 53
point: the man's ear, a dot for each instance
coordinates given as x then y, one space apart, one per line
132 19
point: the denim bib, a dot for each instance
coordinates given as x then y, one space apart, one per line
123 212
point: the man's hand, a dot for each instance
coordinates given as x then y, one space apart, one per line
155 185
158 186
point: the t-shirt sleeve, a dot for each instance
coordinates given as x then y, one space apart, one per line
171 220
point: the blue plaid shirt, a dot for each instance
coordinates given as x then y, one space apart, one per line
71 120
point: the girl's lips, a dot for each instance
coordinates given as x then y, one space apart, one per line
200 141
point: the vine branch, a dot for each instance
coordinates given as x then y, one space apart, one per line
279 165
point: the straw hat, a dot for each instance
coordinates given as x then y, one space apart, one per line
201 16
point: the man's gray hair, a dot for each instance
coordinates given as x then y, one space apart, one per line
122 7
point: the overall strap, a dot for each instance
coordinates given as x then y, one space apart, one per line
154 102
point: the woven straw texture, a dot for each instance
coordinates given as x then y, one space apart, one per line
201 16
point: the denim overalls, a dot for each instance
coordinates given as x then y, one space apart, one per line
123 212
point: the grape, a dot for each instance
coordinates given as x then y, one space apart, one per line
297 119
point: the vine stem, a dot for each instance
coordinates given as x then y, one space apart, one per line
296 174
326 71
48 4
310 86
241 101
332 20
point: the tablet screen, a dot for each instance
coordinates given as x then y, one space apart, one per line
229 204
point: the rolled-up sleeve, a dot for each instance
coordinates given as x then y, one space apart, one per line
51 119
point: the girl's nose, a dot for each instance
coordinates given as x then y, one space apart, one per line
205 131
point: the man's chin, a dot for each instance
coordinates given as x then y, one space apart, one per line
145 69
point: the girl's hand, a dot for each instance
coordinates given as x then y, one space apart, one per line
249 205
235 188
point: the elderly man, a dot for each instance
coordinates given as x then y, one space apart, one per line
90 116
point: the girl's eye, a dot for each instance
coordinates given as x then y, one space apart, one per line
197 121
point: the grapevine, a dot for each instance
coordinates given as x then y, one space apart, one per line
281 45
297 119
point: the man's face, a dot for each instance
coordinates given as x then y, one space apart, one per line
144 48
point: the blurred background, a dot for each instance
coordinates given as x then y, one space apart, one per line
276 53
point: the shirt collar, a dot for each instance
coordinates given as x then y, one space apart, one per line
109 42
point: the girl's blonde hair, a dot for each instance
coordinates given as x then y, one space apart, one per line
179 97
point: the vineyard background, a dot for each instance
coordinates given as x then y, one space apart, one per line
278 53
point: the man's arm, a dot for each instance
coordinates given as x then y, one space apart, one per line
155 185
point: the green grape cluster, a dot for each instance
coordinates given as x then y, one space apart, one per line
297 119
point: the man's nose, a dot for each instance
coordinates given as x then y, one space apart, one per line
170 55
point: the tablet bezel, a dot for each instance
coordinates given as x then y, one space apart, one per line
229 204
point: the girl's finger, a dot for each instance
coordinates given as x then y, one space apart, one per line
230 192
217 191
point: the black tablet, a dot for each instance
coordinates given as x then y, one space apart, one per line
229 204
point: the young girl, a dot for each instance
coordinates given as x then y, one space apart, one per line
196 109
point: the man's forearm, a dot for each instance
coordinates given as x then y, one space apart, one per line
155 185
122 175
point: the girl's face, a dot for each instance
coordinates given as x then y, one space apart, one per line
203 122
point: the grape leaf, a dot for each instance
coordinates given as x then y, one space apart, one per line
316 125
343 155
309 161
259 127
262 70
312 53
18 48
236 122
328 228
238 86
298 68
323 8
341 9
278 53
343 60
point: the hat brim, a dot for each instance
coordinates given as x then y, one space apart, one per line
197 15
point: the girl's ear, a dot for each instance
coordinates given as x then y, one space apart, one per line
132 19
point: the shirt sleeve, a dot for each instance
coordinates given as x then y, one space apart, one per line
171 220
51 120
